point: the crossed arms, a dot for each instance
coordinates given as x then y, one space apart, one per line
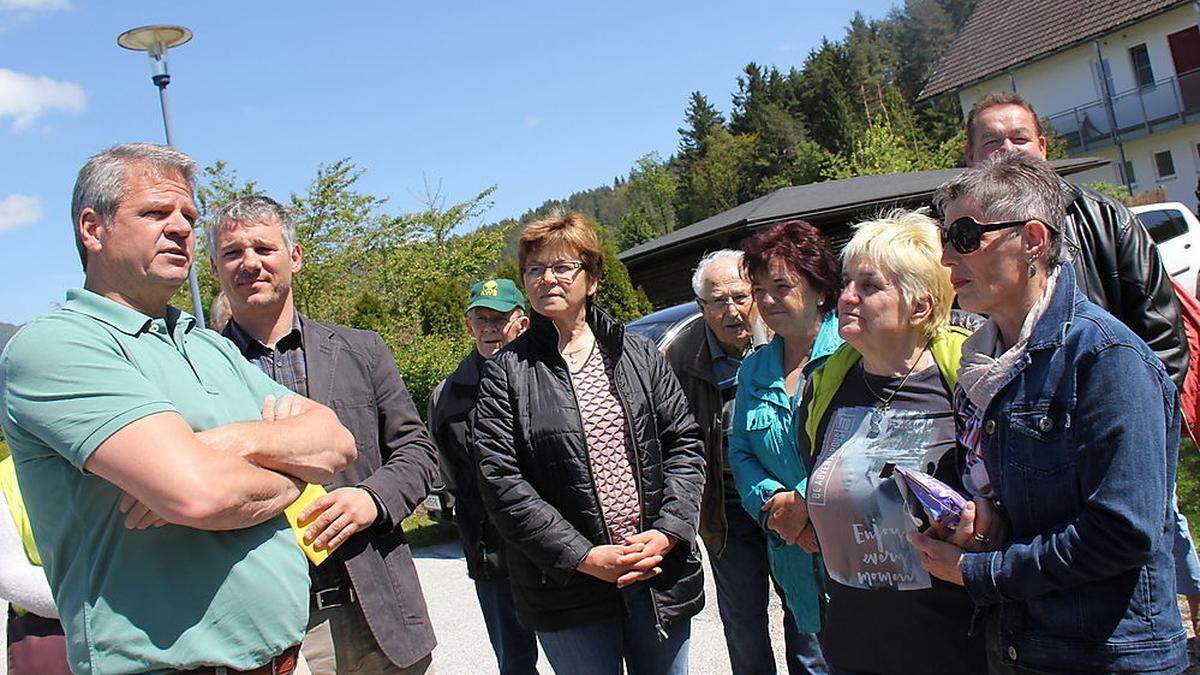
229 477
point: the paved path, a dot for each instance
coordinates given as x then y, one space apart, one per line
462 640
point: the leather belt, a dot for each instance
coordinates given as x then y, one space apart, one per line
283 664
334 597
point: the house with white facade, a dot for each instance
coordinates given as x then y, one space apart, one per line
1117 79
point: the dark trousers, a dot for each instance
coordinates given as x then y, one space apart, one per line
743 578
515 646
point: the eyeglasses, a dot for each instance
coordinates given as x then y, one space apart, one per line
739 300
966 233
563 270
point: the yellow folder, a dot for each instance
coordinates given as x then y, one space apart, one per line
311 494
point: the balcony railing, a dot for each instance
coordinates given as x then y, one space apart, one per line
1167 103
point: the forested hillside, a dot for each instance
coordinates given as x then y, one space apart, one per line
847 109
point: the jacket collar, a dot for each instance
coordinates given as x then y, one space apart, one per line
764 373
125 319
609 332
1049 331
321 349
468 371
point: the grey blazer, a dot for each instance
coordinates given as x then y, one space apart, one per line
352 371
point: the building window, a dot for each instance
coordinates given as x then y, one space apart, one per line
1164 164
1142 72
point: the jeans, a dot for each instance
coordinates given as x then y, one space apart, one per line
598 648
1187 567
515 645
743 579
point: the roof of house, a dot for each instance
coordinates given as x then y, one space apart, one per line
824 201
1003 33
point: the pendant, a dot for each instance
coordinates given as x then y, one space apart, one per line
876 426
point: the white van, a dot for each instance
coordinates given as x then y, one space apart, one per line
1174 228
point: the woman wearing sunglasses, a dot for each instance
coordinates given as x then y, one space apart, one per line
885 398
1070 426
591 469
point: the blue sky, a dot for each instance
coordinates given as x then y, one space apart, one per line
539 98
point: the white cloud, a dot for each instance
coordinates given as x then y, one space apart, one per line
17 211
531 122
35 5
25 97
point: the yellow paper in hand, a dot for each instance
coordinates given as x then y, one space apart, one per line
292 513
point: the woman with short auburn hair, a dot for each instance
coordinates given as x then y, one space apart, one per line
885 398
591 469
795 279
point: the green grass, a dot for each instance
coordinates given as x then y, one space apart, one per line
421 530
1188 485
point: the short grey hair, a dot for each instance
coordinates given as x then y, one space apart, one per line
1012 186
100 185
709 259
250 209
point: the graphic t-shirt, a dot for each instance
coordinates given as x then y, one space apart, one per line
885 613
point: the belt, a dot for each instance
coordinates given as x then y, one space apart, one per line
334 597
282 664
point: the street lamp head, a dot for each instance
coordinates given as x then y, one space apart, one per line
155 41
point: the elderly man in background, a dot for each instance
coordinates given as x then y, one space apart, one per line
706 358
367 610
124 415
495 317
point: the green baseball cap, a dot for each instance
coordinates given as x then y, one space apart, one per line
501 295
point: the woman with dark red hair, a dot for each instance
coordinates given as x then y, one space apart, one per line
796 281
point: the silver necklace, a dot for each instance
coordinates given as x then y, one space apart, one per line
573 357
883 405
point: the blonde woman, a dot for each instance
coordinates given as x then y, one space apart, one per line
885 397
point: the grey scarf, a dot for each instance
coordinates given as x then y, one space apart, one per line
984 362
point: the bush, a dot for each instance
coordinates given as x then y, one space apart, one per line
425 360
1187 485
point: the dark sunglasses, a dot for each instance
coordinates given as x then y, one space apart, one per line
966 233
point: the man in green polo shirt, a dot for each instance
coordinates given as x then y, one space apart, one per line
154 460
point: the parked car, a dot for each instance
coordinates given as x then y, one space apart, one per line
1174 228
665 325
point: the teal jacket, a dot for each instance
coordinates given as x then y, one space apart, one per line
764 458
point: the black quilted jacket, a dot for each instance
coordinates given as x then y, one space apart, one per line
536 482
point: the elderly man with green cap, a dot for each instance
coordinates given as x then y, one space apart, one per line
495 317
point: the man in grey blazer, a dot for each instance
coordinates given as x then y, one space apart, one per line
367 613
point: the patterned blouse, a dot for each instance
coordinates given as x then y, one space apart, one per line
607 431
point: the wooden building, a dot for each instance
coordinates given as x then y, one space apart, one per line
663 267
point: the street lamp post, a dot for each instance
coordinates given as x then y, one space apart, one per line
155 41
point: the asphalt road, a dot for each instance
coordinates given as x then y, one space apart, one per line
462 640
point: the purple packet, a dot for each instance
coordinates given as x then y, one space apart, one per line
940 501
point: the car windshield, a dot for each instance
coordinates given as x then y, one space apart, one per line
658 326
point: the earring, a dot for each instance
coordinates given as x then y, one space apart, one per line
1032 269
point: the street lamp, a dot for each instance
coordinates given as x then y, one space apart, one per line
155 41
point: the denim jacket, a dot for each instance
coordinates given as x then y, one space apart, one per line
764 459
1080 444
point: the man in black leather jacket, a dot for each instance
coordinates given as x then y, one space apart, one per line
1117 265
